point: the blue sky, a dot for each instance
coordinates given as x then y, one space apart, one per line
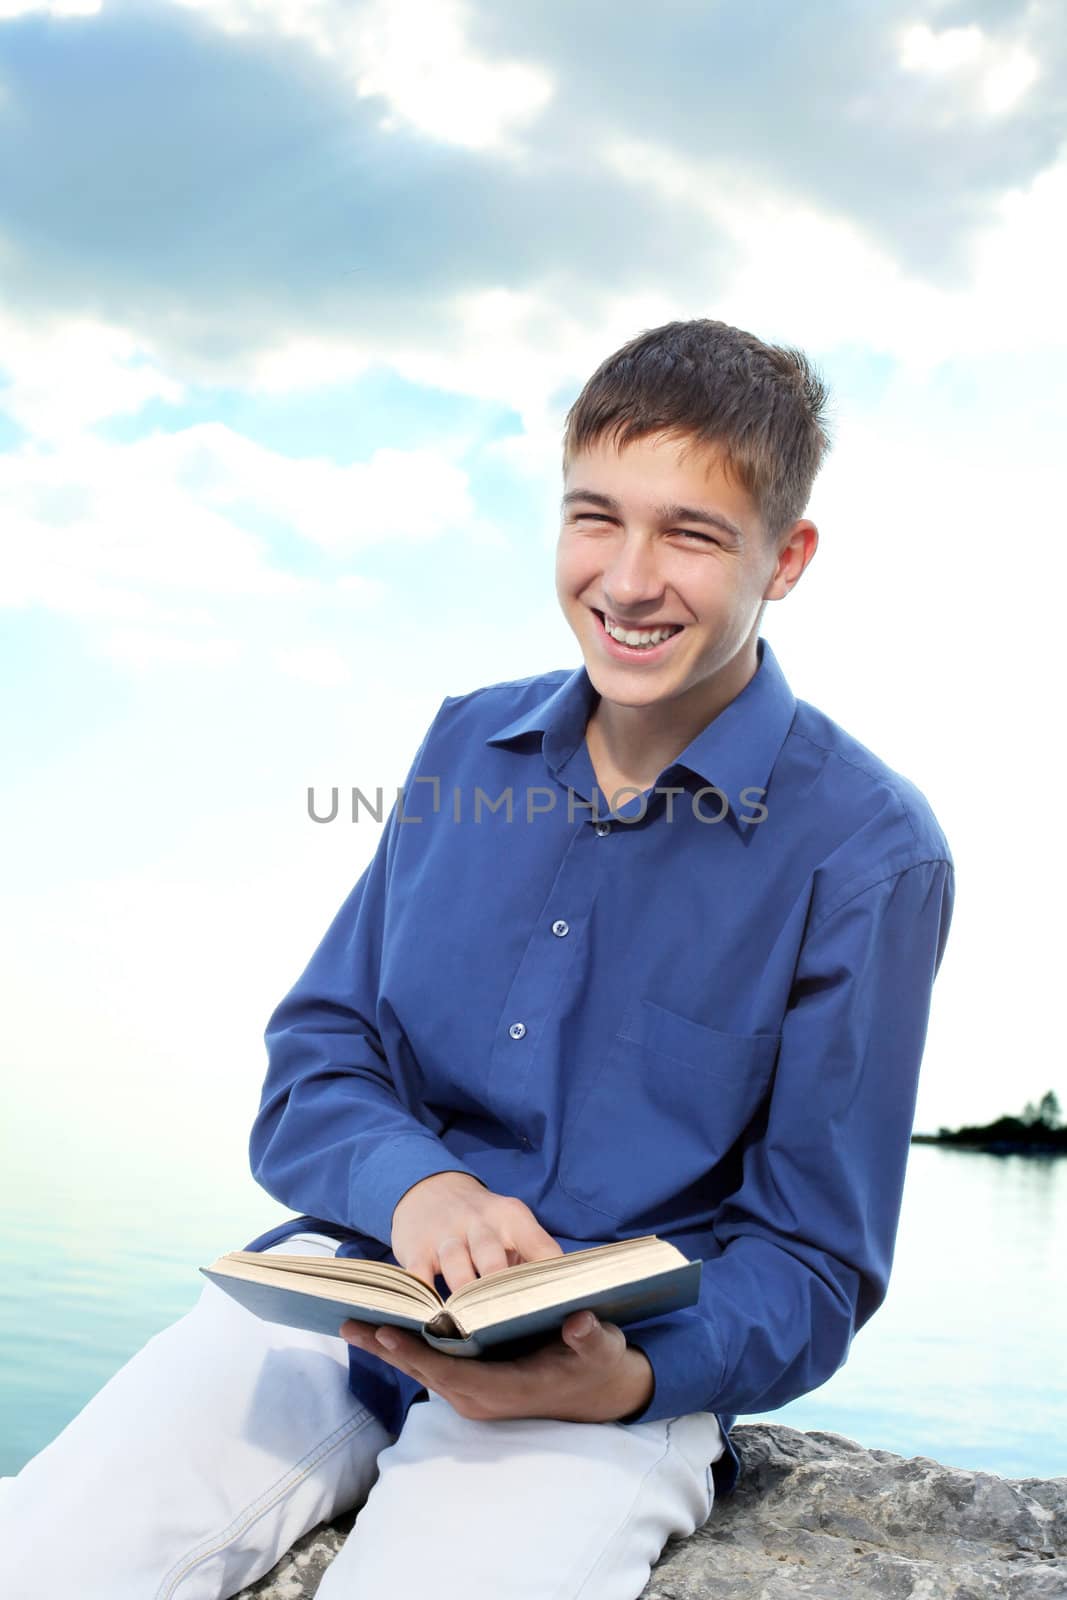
294 297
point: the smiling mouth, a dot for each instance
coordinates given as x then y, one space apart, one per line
635 627
619 650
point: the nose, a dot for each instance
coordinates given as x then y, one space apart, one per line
631 578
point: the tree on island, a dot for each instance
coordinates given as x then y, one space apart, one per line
1047 1112
1038 1128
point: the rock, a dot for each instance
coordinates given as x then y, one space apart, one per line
817 1515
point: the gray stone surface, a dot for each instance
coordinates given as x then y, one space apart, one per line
817 1515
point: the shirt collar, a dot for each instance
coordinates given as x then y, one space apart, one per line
737 749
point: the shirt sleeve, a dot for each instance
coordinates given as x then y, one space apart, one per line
332 1137
807 1238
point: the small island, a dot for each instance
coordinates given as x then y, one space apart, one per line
1038 1130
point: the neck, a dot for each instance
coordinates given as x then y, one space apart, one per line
638 742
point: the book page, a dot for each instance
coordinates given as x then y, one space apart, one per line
531 1284
339 1273
577 1290
361 1296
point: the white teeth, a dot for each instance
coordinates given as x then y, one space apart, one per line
631 637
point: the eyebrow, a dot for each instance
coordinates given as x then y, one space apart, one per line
669 513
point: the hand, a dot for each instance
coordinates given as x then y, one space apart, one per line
597 1377
451 1224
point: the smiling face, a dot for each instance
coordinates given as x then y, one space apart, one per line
647 540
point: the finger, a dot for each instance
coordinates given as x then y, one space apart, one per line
449 1376
579 1329
355 1332
457 1268
494 1388
403 1350
397 1352
534 1242
601 1344
406 1353
487 1249
533 1385
423 1266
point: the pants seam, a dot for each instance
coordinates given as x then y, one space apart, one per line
270 1497
576 1594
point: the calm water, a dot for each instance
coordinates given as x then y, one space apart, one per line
965 1361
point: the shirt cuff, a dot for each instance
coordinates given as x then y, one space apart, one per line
377 1185
687 1363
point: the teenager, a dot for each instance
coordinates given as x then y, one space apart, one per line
647 946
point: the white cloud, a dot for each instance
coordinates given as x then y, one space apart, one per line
819 275
412 54
10 9
141 543
790 270
995 75
314 21
65 374
408 495
777 263
302 362
100 529
143 647
321 665
368 589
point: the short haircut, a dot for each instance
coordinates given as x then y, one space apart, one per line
760 406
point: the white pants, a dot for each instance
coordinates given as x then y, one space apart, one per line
225 1438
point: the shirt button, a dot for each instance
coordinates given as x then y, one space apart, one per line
560 929
525 1143
602 828
517 1030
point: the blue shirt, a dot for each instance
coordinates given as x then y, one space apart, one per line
700 1016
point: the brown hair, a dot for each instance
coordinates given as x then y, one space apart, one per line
762 406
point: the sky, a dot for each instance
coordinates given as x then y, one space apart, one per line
294 297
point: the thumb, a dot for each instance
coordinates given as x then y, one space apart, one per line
586 1334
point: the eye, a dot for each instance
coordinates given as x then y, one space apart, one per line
688 533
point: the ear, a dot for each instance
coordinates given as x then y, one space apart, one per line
795 550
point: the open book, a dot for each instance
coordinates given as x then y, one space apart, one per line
502 1315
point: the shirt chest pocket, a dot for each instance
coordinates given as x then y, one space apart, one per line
670 1098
